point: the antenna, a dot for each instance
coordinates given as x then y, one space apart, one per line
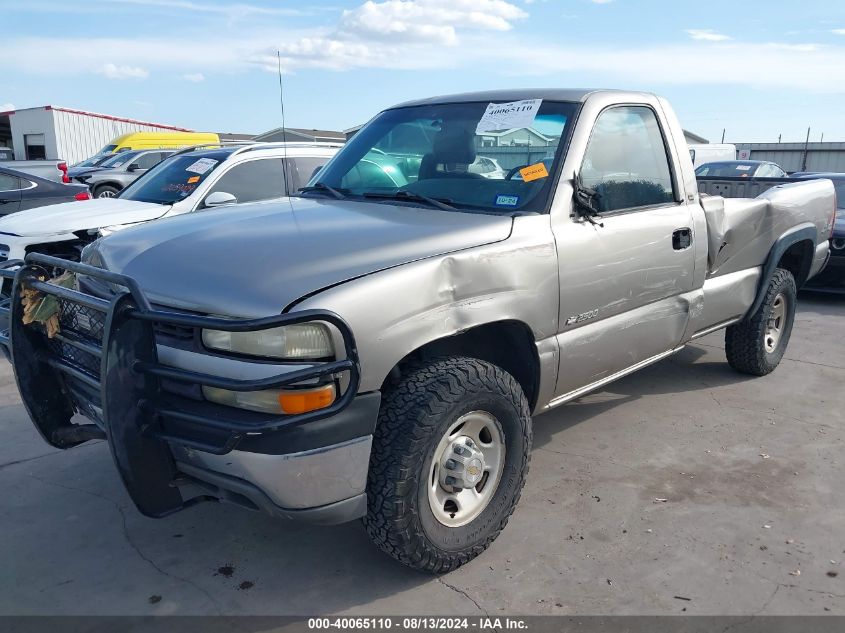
284 130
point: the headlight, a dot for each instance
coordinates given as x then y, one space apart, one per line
302 341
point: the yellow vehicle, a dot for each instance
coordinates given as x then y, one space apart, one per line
157 140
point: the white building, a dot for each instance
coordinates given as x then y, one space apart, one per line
57 133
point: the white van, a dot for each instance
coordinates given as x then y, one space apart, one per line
711 153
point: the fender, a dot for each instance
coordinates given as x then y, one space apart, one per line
797 234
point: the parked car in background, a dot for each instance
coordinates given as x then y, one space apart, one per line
115 174
832 278
55 170
20 191
378 351
193 179
702 153
487 167
88 164
741 169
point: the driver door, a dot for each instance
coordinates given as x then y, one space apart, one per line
623 278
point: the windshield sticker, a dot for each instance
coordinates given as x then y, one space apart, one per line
193 179
743 167
507 201
507 116
534 172
201 166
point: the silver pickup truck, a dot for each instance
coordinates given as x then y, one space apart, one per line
376 346
55 170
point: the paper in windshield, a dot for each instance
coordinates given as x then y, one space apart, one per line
508 116
201 166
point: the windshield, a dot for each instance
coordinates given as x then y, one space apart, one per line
173 179
490 157
94 161
727 170
117 160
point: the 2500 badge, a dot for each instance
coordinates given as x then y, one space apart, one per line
584 316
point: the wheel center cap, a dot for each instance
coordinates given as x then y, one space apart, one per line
462 465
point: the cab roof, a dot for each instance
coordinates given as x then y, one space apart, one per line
577 95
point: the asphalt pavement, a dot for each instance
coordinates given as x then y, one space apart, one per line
685 488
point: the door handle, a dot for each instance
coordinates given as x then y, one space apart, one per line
681 239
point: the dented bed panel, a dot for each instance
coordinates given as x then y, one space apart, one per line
742 231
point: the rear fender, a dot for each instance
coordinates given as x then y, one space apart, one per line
800 233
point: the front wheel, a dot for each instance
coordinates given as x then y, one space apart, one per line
755 346
449 460
106 191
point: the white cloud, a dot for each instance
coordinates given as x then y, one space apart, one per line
601 1
426 20
194 77
5 107
113 71
707 35
395 34
838 31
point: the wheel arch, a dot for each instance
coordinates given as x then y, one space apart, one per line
793 251
106 183
508 344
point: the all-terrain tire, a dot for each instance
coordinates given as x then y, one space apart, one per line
745 342
415 415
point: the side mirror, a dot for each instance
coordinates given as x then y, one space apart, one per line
133 167
586 201
219 199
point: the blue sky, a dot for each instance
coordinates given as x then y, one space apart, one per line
757 68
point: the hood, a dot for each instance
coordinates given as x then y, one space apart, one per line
107 172
76 172
254 260
80 216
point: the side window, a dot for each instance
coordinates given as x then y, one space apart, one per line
148 161
626 161
302 168
777 172
371 174
260 179
9 183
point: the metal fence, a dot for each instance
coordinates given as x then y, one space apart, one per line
799 156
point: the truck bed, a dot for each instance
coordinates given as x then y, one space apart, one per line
746 216
738 187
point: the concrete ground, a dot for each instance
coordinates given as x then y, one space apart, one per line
686 488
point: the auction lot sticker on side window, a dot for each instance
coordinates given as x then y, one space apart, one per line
201 166
507 116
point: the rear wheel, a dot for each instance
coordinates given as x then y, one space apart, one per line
106 191
449 460
755 346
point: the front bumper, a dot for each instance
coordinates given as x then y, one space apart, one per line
171 447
